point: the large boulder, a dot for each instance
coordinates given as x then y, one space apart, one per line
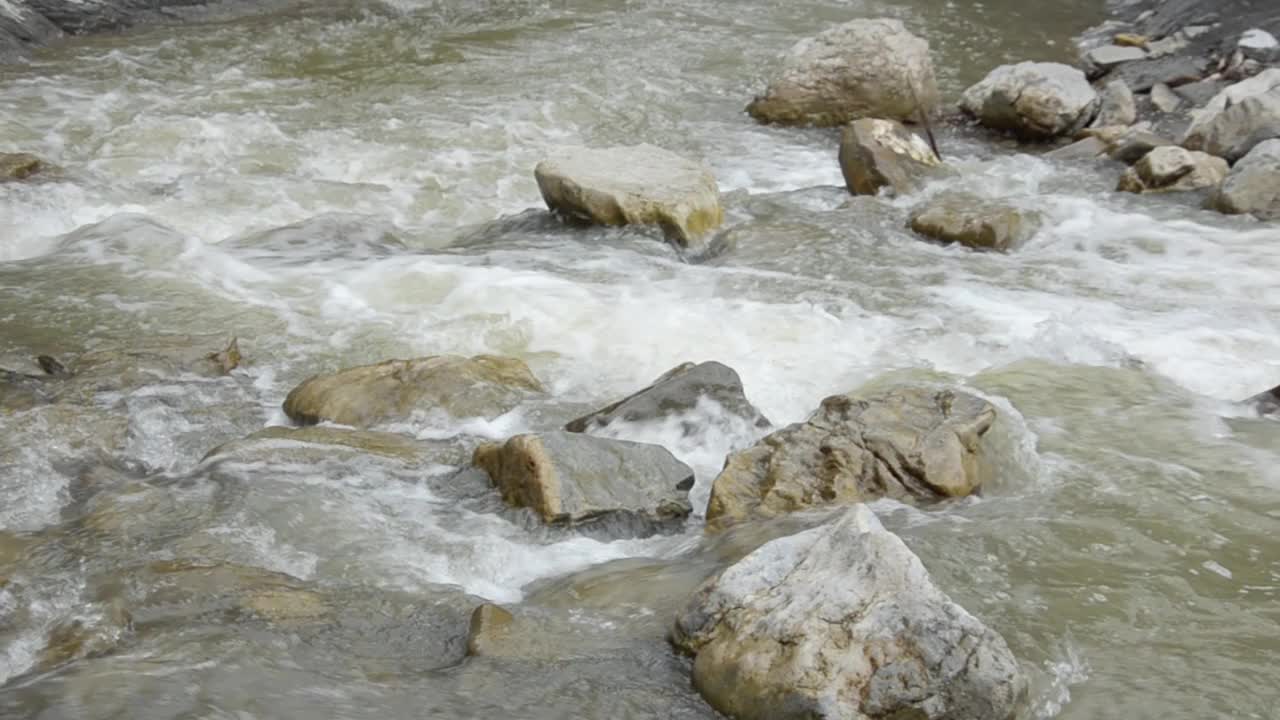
863 68
590 483
877 154
393 391
1233 132
906 442
1035 101
634 185
843 621
678 392
1253 185
1173 169
974 222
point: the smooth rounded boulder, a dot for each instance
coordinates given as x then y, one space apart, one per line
974 222
1173 169
633 185
843 621
905 442
862 68
1253 185
393 391
590 483
1032 100
877 154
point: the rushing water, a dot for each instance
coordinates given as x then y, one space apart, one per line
353 182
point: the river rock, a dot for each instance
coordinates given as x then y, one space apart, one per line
861 69
678 392
1102 59
906 442
634 185
843 621
315 444
392 391
1116 106
1035 101
1136 144
591 483
18 166
1233 132
1172 70
1266 403
1173 169
1164 99
1253 185
877 154
974 222
1260 84
1089 148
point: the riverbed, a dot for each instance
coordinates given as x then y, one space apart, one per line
347 182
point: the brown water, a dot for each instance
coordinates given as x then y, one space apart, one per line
345 184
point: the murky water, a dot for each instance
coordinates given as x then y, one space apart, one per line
350 183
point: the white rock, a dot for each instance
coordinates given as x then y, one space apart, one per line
843 622
1258 39
1033 100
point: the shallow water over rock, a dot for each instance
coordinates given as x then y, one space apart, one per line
344 183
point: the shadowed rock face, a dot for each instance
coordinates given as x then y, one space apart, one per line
843 621
676 392
875 154
907 442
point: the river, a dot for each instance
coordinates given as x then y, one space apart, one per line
349 182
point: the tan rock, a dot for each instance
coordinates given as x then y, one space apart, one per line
974 222
391 391
635 185
1172 169
877 154
905 442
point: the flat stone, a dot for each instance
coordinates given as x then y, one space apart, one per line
1173 71
633 185
974 222
1110 55
1164 99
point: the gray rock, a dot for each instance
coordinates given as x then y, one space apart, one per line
877 154
1253 185
1266 403
1108 56
392 391
678 392
862 68
1135 144
634 185
591 483
1173 169
1263 83
843 621
1199 92
974 222
1090 148
1032 100
1164 99
904 442
1116 106
1173 71
1233 132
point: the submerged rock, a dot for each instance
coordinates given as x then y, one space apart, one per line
19 166
591 483
877 154
392 391
1116 106
861 69
1266 403
974 222
843 621
905 442
1035 101
1253 185
677 392
1173 169
635 185
318 443
1233 132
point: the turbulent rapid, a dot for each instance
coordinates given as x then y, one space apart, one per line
343 183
